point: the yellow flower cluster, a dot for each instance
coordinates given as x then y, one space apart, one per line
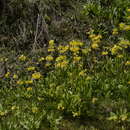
49 58
22 58
31 68
36 75
86 50
51 43
61 58
34 109
21 82
28 81
95 46
124 27
51 49
88 78
104 53
74 49
115 31
75 43
3 59
120 56
128 10
63 49
15 76
61 61
47 64
121 26
124 43
82 73
62 64
41 59
76 59
94 100
96 39
7 75
14 107
75 46
3 113
29 89
115 49
119 46
127 63
51 46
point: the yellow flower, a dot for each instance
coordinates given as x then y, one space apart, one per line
22 58
61 64
19 82
31 68
95 46
97 38
104 53
115 31
29 89
92 36
3 113
49 58
80 43
47 64
75 43
28 81
120 56
76 58
36 75
124 117
7 75
1 59
128 82
41 59
94 100
34 109
127 28
127 63
115 49
74 49
60 107
122 26
61 58
13 108
86 50
15 76
128 10
51 43
88 78
124 43
114 118
63 49
82 73
76 114
51 49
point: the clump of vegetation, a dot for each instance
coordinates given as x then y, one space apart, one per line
81 78
26 23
